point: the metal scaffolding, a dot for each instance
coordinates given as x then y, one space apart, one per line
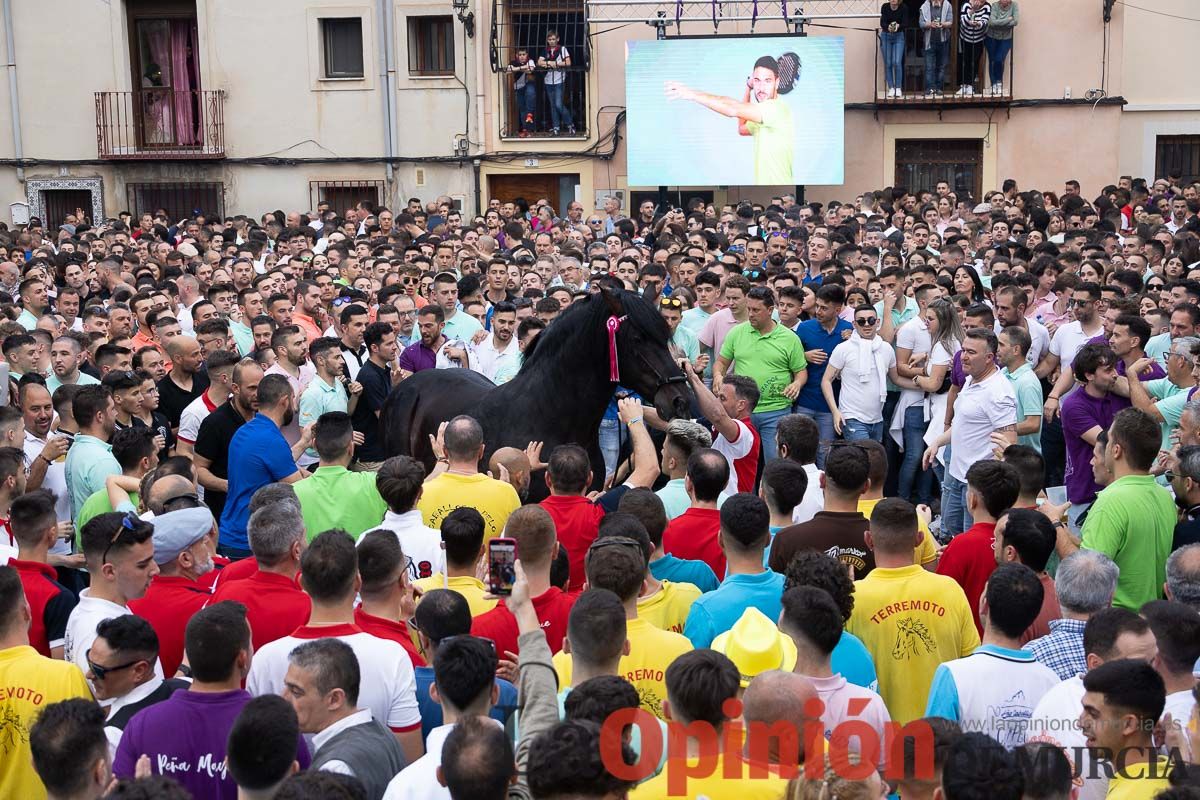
794 13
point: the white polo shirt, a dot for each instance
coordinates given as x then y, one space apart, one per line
418 541
55 481
487 360
81 629
388 687
980 410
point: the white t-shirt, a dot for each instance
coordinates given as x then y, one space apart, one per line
814 497
1067 341
55 481
859 399
81 629
1039 338
1056 720
388 687
913 336
193 414
980 409
739 448
418 541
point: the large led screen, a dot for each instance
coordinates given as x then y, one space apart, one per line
735 111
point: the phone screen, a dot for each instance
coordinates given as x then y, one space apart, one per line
502 566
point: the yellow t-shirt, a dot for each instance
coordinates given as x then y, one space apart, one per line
716 786
494 499
28 683
469 587
1135 783
651 651
911 620
669 606
926 551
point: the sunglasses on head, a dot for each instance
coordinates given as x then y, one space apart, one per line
670 302
127 522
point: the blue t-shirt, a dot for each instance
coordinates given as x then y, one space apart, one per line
258 455
814 337
431 712
611 413
681 570
852 660
716 612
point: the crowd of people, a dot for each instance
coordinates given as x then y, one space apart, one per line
942 472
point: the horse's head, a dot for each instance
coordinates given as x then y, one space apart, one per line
645 363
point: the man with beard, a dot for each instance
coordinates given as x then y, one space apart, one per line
185 382
499 349
45 459
211 451
290 344
183 552
435 350
258 455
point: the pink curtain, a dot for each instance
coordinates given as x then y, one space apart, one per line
184 82
156 75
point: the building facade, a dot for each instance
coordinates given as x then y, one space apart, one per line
227 107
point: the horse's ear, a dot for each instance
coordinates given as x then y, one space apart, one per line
612 300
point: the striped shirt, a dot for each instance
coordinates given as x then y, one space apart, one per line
973 23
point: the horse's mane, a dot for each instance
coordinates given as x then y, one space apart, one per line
577 329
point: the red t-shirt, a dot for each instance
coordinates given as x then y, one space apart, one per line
168 605
50 602
576 521
392 631
275 605
1050 611
693 535
970 560
552 606
227 571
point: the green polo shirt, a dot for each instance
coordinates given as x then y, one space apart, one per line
1133 523
686 341
771 360
242 336
318 398
335 497
94 506
89 462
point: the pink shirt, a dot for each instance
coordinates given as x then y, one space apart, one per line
716 328
291 432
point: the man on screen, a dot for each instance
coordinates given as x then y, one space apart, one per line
768 119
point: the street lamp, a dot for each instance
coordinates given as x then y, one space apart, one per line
467 18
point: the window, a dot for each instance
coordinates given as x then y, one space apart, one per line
1177 155
179 200
431 45
921 163
342 47
342 195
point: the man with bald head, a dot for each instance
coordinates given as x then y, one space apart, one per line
516 463
462 484
186 380
776 698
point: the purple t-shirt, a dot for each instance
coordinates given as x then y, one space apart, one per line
1153 373
417 357
1080 413
185 736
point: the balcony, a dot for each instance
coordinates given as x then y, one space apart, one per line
160 124
948 96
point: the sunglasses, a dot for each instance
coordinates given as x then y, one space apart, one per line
126 525
341 301
867 321
670 302
593 222
99 672
1078 303
752 274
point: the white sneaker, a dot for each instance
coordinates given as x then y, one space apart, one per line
929 94
970 91
998 89
962 92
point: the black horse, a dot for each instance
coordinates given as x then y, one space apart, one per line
561 392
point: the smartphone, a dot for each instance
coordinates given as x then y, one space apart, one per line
502 566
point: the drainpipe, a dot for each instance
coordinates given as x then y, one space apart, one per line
13 98
482 59
389 27
385 45
478 188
